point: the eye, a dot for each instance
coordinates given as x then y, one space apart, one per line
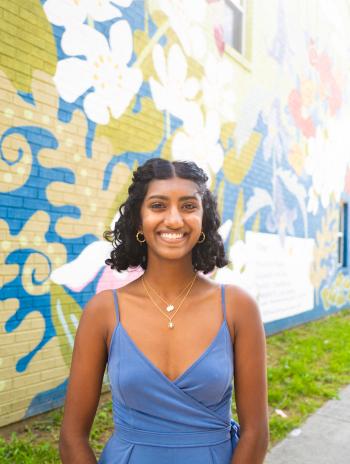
157 205
189 206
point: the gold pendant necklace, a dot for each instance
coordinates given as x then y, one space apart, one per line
169 307
171 324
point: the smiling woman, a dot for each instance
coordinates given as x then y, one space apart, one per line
176 192
171 389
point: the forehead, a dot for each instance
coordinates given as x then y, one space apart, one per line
174 186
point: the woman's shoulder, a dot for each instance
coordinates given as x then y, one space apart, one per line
239 295
241 305
99 302
99 311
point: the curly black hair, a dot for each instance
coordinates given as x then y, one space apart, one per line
127 252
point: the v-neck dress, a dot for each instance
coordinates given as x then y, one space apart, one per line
182 421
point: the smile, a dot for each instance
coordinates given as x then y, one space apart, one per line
171 237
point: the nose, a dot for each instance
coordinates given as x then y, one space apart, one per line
173 218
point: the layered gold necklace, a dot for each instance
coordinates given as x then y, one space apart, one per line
170 307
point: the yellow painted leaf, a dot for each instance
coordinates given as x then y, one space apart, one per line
237 232
27 42
143 49
135 132
256 224
65 315
121 196
226 133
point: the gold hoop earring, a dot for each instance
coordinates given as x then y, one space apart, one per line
202 239
138 237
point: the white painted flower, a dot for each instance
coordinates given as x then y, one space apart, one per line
186 19
313 201
198 140
174 89
225 229
71 12
78 273
218 86
241 273
326 163
105 70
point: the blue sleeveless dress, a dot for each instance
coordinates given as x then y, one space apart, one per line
183 421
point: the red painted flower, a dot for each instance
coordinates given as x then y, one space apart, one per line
219 38
330 86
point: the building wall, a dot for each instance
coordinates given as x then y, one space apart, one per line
89 92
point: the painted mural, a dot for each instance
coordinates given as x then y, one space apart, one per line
100 87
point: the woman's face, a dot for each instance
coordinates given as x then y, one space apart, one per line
171 217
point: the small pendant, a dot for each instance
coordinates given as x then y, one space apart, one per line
170 308
171 325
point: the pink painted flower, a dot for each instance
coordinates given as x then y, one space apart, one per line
330 86
305 124
219 38
347 181
112 279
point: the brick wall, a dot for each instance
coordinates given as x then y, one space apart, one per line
87 94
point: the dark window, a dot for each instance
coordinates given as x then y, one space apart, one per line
343 235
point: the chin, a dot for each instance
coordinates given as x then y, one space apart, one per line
172 254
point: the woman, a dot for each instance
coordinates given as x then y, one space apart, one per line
172 338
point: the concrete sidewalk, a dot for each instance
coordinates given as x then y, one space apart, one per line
324 437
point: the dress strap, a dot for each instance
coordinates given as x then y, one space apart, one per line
223 302
116 305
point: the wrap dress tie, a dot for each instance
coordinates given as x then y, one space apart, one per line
162 421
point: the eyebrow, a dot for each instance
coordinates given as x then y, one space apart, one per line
164 197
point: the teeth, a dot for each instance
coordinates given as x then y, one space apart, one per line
171 235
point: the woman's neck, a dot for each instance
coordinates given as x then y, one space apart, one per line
168 278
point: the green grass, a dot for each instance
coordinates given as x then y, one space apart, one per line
20 450
307 366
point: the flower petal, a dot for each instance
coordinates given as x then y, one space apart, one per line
103 12
81 271
198 42
122 97
72 78
159 63
181 146
191 88
123 3
121 41
159 94
211 69
177 64
133 79
64 12
216 158
84 40
212 126
96 108
195 10
193 120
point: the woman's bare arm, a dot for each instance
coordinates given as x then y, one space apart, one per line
85 382
250 379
